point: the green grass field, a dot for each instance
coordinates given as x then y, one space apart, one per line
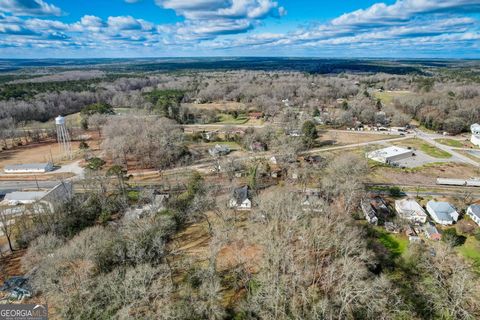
387 96
397 244
471 250
426 148
229 119
450 142
232 145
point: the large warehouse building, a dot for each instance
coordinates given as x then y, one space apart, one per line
390 155
29 168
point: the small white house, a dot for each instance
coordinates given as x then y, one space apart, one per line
474 212
241 199
410 210
475 128
29 168
442 212
390 155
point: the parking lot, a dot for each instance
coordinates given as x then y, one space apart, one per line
418 160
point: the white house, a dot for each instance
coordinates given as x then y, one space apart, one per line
390 155
240 199
475 128
474 212
29 168
410 210
442 212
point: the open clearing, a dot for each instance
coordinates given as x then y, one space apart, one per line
425 147
427 174
229 119
471 250
44 151
340 138
387 97
220 106
457 143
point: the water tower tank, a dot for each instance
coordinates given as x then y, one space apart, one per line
60 120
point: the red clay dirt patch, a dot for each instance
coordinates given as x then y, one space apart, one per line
11 265
239 253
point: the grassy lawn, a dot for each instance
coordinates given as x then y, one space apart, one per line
471 251
229 119
232 145
455 143
426 148
397 244
387 97
450 142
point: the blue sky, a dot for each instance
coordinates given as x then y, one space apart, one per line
156 28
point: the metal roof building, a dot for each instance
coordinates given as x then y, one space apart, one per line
29 168
23 197
442 212
390 154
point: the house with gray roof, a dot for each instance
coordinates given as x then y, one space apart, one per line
241 199
474 212
442 212
29 168
432 232
219 150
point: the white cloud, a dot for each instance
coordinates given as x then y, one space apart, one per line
29 8
402 10
211 25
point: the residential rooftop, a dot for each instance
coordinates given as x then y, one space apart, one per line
443 210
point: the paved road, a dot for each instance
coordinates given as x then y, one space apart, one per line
458 157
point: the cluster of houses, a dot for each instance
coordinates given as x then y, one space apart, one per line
442 213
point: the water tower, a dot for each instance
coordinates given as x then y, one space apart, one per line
63 137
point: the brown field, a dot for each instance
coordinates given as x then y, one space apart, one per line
225 105
44 151
427 174
339 138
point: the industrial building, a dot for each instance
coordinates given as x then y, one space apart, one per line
29 168
51 198
19 203
390 155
